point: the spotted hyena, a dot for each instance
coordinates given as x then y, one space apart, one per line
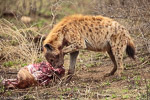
95 33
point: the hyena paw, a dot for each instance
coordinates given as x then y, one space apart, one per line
108 74
68 78
119 72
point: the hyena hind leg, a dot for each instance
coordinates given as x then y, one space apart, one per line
112 57
116 55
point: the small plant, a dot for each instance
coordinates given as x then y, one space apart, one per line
61 97
29 97
22 65
75 89
2 90
106 98
123 77
38 60
67 89
106 83
127 66
125 90
141 59
138 98
41 23
148 62
9 93
125 96
114 95
98 55
90 65
137 80
8 64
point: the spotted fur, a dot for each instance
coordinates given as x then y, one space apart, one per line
95 33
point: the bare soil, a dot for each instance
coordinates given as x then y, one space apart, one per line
89 83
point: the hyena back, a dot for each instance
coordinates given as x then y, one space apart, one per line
95 33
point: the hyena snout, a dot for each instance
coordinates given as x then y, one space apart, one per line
55 60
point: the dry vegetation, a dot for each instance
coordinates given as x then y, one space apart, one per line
18 49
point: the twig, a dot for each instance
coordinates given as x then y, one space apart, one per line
145 40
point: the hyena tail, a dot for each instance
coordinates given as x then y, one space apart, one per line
130 50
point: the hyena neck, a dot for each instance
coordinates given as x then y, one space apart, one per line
60 41
57 36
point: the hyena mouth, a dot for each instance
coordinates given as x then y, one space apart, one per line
56 63
59 64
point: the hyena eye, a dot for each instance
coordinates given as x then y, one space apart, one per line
48 47
51 60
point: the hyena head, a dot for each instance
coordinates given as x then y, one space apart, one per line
53 49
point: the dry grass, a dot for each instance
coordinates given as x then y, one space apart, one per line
17 43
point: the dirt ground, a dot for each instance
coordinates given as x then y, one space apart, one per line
22 19
88 82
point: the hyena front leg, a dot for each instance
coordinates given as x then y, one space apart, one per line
73 58
73 50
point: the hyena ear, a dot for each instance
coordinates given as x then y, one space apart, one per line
39 38
48 47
